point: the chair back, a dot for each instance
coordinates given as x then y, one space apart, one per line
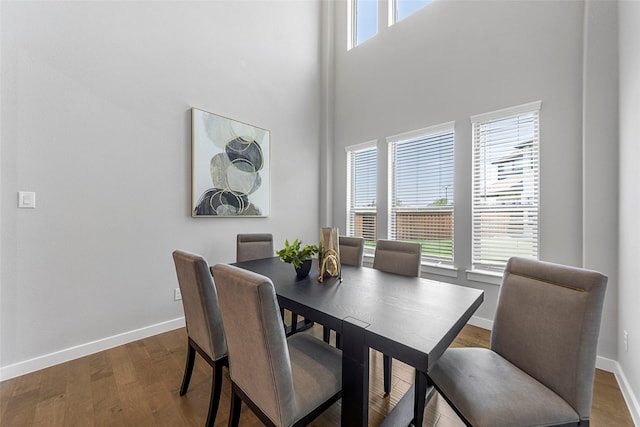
200 303
254 246
351 250
547 324
259 361
394 256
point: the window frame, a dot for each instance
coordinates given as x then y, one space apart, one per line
352 24
528 213
410 137
392 6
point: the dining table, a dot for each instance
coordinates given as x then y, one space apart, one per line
411 319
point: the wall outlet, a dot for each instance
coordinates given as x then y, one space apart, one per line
177 295
625 339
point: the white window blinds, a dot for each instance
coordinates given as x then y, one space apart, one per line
421 190
505 186
361 192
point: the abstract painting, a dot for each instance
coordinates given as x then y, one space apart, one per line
230 167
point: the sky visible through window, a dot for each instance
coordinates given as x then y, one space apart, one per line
407 7
366 20
366 12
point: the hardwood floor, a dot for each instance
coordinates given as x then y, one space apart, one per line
137 385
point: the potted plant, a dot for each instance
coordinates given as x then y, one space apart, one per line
299 256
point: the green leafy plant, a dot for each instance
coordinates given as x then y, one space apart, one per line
295 253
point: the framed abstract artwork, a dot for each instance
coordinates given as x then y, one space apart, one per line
230 167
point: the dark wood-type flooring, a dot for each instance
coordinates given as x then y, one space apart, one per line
137 384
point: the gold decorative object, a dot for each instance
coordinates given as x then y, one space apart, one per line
329 259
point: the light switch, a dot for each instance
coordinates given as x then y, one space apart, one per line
27 199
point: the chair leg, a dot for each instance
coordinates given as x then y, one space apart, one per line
216 388
326 336
326 333
294 323
234 412
188 369
387 373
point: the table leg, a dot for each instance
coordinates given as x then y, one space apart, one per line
423 392
355 374
409 411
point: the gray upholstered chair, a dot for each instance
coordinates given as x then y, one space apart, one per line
258 246
351 250
397 257
254 246
285 381
541 365
351 253
205 334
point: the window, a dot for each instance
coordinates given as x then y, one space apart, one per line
421 166
505 186
363 20
363 17
400 9
361 192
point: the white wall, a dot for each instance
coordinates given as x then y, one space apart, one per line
95 118
600 158
454 59
629 292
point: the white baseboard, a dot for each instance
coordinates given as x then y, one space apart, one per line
65 355
629 397
481 322
608 365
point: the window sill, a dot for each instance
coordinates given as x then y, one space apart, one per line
439 269
485 276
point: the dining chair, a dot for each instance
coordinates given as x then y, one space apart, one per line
351 250
397 257
205 334
254 246
258 246
540 367
285 381
351 253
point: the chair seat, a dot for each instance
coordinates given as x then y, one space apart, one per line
490 391
316 369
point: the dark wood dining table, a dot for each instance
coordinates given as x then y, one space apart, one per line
411 319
